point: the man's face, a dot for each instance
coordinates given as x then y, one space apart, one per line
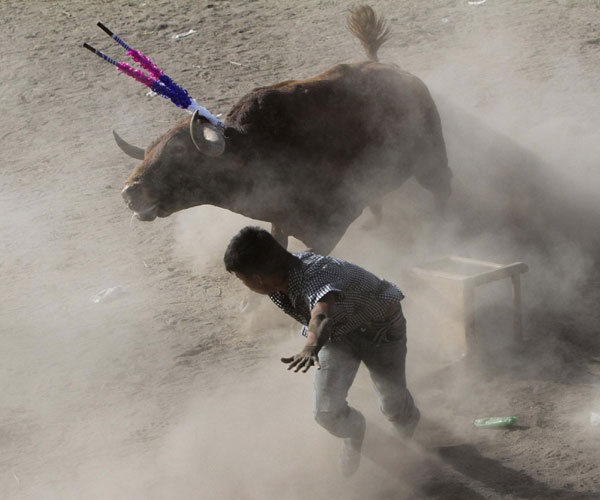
256 282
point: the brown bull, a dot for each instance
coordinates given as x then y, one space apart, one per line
305 155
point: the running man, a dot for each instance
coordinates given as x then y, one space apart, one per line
349 315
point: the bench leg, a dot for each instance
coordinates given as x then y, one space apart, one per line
469 319
517 322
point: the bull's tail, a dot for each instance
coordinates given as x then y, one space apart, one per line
370 29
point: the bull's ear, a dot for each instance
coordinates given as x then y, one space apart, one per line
207 137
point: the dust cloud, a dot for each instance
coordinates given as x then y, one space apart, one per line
172 392
525 166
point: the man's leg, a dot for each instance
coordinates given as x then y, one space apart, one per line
339 365
387 366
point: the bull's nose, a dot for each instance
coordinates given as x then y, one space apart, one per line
131 191
136 197
138 201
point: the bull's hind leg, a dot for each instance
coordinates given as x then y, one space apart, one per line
436 179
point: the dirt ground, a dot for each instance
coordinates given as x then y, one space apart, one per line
170 390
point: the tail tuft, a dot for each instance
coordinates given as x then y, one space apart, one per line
370 29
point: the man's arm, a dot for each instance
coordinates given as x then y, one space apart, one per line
318 334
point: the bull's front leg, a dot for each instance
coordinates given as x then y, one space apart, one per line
279 235
324 239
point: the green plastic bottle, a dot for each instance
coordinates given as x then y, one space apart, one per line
495 421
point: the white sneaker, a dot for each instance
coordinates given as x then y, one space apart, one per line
408 428
349 457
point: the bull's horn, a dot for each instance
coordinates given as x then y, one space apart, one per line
207 137
128 149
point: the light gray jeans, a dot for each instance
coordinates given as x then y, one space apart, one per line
384 354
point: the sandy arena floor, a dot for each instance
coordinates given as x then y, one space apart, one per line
169 391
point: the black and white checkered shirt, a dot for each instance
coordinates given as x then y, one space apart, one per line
361 297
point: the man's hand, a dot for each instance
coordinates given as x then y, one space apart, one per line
303 361
316 336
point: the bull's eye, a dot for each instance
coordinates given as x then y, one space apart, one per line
178 149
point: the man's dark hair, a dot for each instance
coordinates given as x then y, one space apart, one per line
254 251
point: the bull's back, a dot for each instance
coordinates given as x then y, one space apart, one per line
343 110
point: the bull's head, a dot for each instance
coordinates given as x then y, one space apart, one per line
179 170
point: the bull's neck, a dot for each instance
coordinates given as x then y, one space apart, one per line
233 189
242 185
234 192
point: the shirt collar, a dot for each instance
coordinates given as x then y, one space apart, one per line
295 280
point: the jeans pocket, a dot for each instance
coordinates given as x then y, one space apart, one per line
396 333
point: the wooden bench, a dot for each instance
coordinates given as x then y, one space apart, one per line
471 273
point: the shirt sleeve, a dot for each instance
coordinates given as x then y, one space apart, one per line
321 279
283 302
